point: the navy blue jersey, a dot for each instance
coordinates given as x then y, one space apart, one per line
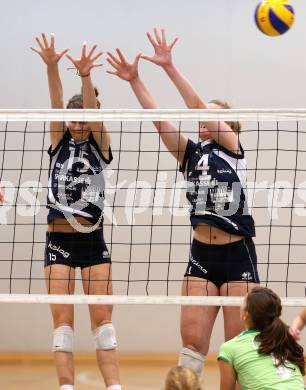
216 187
76 180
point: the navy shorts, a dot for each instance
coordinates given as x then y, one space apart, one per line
233 262
76 249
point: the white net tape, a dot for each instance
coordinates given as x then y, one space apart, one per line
115 115
136 300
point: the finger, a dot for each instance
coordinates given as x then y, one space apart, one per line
121 56
36 51
97 65
45 40
84 49
137 58
92 50
173 43
39 43
70 58
110 72
112 63
164 41
153 43
52 41
294 332
63 52
97 56
147 58
113 57
157 36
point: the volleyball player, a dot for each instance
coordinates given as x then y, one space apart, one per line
223 257
79 154
265 355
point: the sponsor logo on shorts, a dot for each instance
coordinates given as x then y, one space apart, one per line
58 249
197 264
105 254
246 276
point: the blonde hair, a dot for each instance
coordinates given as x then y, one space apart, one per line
182 378
76 102
235 126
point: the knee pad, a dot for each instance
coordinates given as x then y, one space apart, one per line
63 339
192 359
105 337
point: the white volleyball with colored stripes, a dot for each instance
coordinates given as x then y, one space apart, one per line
274 17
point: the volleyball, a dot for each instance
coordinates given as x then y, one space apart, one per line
274 17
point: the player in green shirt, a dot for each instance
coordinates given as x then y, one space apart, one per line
265 356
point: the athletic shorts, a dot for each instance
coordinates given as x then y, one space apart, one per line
233 262
76 249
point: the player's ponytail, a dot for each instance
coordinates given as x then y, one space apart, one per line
264 308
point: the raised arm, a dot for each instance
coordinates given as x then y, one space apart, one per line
174 141
84 66
51 58
221 132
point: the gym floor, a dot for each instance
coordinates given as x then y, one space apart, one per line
143 372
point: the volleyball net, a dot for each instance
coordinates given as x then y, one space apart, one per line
146 213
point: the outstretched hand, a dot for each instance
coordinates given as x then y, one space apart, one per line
86 62
47 50
162 51
123 69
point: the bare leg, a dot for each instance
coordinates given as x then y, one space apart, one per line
97 280
197 321
60 279
232 323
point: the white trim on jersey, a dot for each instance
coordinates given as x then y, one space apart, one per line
237 164
103 164
54 203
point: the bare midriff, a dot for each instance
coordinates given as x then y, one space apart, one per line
211 235
61 225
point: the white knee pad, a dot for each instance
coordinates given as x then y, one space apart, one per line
192 359
105 337
63 339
